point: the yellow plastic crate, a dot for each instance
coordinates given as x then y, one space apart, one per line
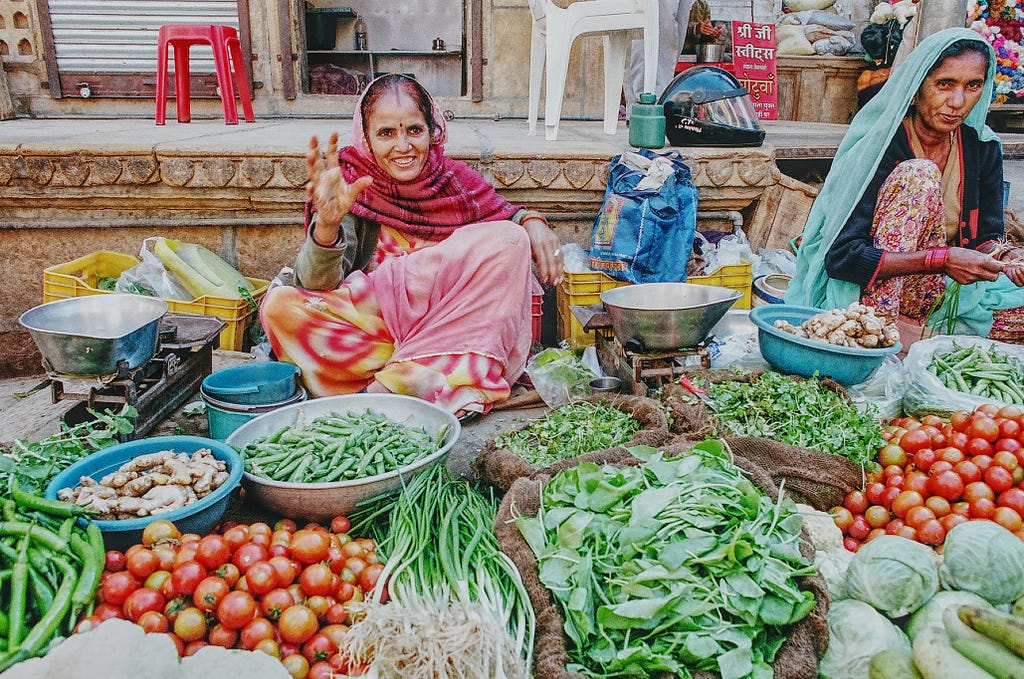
583 289
81 277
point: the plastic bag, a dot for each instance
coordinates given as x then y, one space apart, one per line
926 393
885 388
151 277
645 229
775 261
559 376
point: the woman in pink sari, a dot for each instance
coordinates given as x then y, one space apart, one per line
415 276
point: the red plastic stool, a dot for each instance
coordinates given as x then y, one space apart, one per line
227 52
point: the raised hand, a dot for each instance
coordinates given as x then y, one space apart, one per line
331 194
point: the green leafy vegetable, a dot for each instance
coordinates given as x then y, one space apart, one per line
776 407
569 431
34 464
674 565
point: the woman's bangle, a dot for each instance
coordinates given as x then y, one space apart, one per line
533 214
935 259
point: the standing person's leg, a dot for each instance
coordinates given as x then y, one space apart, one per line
674 16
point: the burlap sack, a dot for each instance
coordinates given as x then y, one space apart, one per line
500 467
797 658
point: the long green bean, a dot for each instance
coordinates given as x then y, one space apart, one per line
984 372
337 447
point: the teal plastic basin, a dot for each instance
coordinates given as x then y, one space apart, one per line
224 418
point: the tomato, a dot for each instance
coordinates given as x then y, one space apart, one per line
310 546
940 466
1010 411
369 577
316 579
295 589
893 526
194 647
319 648
1009 429
286 524
1005 459
950 454
989 409
175 606
117 586
87 624
296 665
978 490
259 528
236 536
213 551
1012 498
998 478
1007 518
904 501
887 497
141 601
114 561
963 508
958 439
947 485
275 601
236 610
166 553
960 419
185 554
209 593
924 458
160 530
939 505
319 604
153 621
340 524
968 471
1012 445
257 630
851 544
297 624
158 580
984 428
916 481
223 636
268 646
321 670
859 529
978 446
187 576
855 501
230 573
262 578
982 508
337 614
347 590
287 569
190 624
248 554
917 515
107 610
930 532
907 532
915 440
951 519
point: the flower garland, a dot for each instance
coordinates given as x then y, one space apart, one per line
1003 30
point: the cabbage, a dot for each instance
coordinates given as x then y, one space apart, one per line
984 558
856 632
893 574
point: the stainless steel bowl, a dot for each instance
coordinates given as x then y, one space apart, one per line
667 316
92 335
321 501
710 52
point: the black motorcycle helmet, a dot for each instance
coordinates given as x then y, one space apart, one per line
707 106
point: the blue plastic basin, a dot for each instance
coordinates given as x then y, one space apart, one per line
256 383
199 517
793 355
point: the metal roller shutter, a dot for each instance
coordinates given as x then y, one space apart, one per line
112 44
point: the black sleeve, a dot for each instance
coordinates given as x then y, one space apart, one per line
853 256
991 225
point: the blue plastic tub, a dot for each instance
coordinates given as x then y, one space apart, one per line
199 517
256 383
793 355
224 418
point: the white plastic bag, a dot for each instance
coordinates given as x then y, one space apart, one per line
926 393
885 388
150 276
559 376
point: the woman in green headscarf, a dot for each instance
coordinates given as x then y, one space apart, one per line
914 198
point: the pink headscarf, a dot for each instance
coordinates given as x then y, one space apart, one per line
447 194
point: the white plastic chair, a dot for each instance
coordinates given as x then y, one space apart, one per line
555 29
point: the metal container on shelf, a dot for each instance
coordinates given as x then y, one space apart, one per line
710 53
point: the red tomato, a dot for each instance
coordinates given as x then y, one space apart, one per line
142 563
187 576
318 649
968 471
983 462
950 520
347 590
887 497
1006 460
114 561
256 631
337 614
950 454
321 670
117 586
194 647
915 440
859 529
236 610
106 610
230 573
984 428
939 505
153 621
1010 411
998 478
286 524
1009 429
947 485
310 546
158 580
190 624
297 624
978 490
268 646
179 645
904 501
340 524
223 636
185 553
236 536
930 532
989 409
918 515
851 544
855 501
287 569
1007 518
978 446
924 458
316 579
1012 445
248 554
368 578
982 508
958 439
960 419
141 601
275 601
1012 498
213 551
916 481
166 553
319 604
895 481
295 664
261 578
159 530
209 593
842 517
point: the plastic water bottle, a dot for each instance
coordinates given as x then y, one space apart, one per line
647 123
360 31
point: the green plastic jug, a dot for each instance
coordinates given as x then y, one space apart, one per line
647 123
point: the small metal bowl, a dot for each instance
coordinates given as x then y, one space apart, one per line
600 385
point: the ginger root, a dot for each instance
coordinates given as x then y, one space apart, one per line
855 326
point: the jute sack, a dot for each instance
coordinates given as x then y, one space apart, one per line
797 658
500 467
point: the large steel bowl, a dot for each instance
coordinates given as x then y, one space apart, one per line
666 316
321 501
92 335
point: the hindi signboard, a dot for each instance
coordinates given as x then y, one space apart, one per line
754 63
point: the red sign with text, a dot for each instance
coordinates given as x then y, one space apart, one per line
754 63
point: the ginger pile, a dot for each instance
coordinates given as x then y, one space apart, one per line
855 326
149 484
